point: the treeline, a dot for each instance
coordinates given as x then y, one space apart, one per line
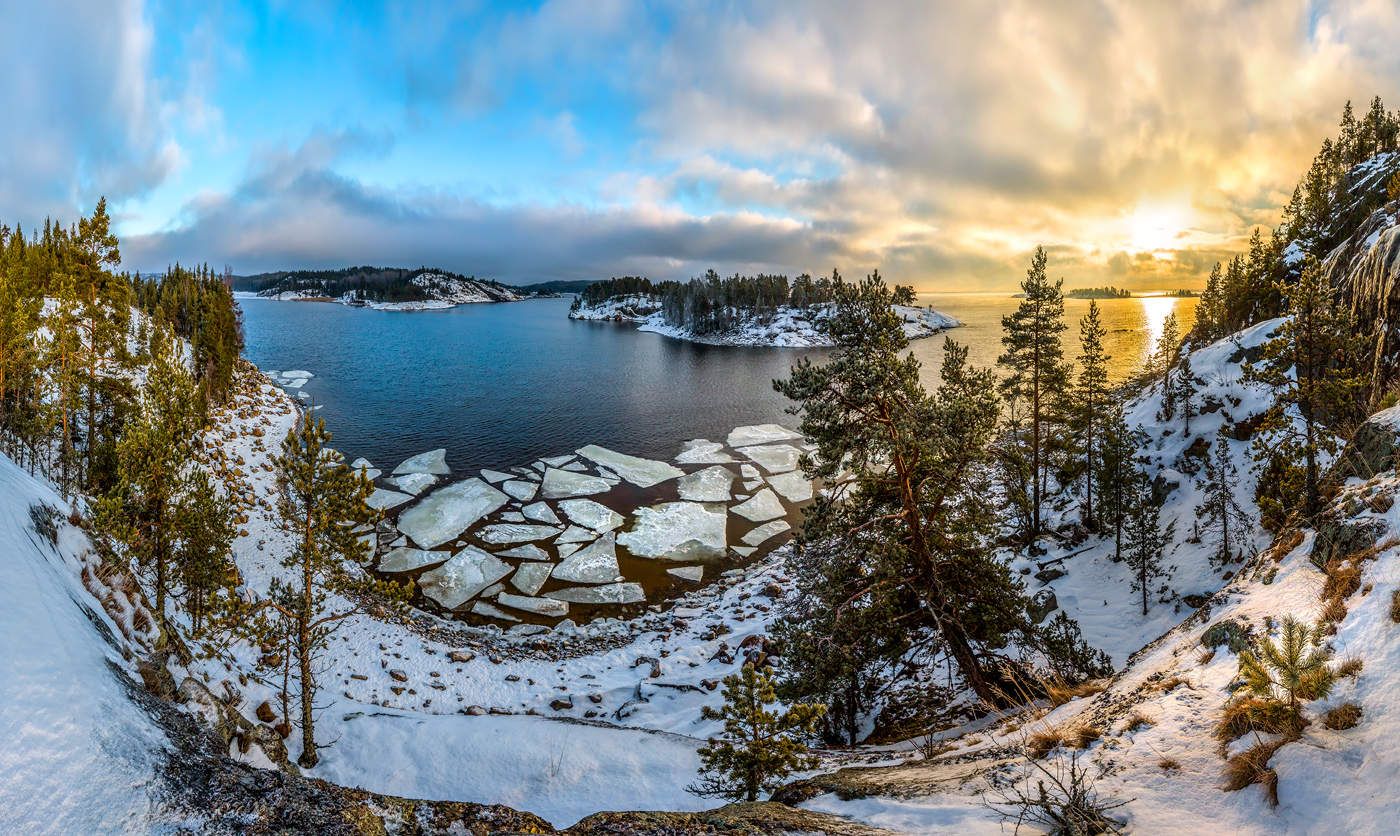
712 304
72 355
375 284
1105 292
1324 208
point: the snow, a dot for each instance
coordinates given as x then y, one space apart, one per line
564 483
433 461
460 579
596 563
591 515
677 531
763 505
449 511
404 559
709 485
644 473
776 458
613 593
414 483
756 434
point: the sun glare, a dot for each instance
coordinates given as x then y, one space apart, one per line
1156 227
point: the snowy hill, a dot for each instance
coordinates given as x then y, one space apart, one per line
786 327
381 288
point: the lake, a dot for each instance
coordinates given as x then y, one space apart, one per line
505 384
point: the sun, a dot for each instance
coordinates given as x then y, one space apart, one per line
1157 227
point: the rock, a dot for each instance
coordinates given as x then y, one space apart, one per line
461 656
264 712
1372 449
561 704
1041 605
1049 574
1228 632
398 675
1195 601
476 711
1345 537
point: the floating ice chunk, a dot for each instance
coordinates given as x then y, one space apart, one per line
701 451
491 611
406 560
748 471
362 464
503 533
382 500
540 512
709 485
613 593
590 514
752 484
511 517
576 534
595 564
493 590
793 486
743 551
530 577
295 383
558 461
644 473
433 461
494 476
295 374
765 532
414 483
775 458
566 549
538 606
688 573
303 395
575 467
677 531
760 434
521 490
764 505
527 552
460 579
562 483
449 511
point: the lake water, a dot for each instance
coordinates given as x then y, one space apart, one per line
505 384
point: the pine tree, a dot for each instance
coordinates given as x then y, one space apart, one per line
1146 539
321 501
1164 359
1292 671
1036 373
1116 473
1185 391
759 747
1221 513
1310 364
1091 401
64 362
1210 309
203 556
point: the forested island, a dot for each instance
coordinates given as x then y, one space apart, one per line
385 288
760 310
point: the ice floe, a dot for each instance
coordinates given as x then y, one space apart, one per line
793 486
703 451
363 465
491 611
765 532
433 461
595 564
677 531
520 489
763 505
406 559
538 606
494 476
530 577
709 485
760 434
540 512
382 500
414 483
447 512
559 484
591 515
576 534
692 574
613 593
508 533
774 458
644 473
460 579
527 552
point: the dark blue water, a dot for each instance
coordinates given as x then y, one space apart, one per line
505 384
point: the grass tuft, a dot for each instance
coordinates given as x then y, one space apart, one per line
1344 716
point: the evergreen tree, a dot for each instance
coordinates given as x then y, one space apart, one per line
1164 359
64 364
1221 513
1210 309
1185 391
204 556
916 514
1116 473
1146 539
759 747
1310 364
1036 373
1292 671
321 501
1091 401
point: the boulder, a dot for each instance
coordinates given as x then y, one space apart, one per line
1042 604
1372 449
1229 633
1344 537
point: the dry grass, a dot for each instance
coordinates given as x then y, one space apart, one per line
1333 611
1344 716
1043 742
1247 714
1252 767
1350 666
1286 542
1395 606
1343 579
1205 657
1060 693
1173 681
1169 764
1136 721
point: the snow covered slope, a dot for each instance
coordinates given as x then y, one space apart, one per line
787 327
77 754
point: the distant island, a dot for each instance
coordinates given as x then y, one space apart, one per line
762 310
391 288
1110 292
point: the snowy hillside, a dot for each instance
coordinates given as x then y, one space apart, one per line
420 290
787 327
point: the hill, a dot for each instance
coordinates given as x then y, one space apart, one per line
385 288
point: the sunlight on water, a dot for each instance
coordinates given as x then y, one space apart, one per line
1155 310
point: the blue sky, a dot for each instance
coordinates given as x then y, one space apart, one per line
938 142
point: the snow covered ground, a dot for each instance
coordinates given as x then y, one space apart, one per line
787 327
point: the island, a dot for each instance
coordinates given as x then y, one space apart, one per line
752 311
387 288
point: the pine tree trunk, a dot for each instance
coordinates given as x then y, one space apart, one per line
308 685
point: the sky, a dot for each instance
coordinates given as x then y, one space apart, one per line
939 143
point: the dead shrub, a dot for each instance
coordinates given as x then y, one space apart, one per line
1350 666
1206 656
1169 764
1252 767
1137 721
1342 717
1286 542
1060 692
1173 681
1333 612
1246 714
1343 579
1041 743
1395 606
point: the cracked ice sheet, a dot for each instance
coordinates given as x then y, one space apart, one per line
414 483
591 515
433 461
595 564
464 576
793 486
764 505
774 458
511 533
709 485
760 434
677 531
701 451
644 473
382 499
563 483
449 511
